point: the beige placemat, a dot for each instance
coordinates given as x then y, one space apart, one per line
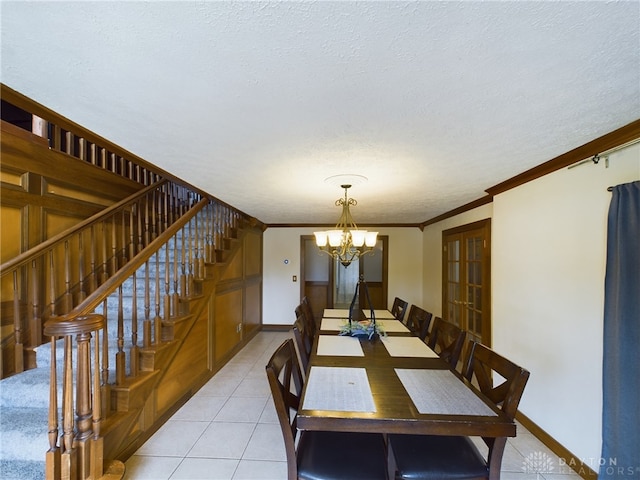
441 392
392 326
336 313
407 347
343 389
380 314
339 346
332 324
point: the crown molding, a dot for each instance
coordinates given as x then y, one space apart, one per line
598 146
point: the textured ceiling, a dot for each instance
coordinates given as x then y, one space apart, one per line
258 102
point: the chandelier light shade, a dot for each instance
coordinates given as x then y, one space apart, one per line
346 242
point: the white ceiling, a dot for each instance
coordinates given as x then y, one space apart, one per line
258 102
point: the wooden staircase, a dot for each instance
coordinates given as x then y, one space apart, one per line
126 399
122 317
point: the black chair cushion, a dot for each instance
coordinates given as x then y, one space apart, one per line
436 457
341 455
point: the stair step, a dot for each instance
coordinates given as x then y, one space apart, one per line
21 469
29 389
24 434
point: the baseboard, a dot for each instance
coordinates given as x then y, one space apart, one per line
276 328
570 460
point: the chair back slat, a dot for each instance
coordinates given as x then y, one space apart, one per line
483 362
399 308
447 340
419 321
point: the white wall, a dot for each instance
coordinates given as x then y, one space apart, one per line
548 264
281 294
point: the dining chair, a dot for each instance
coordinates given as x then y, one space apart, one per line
304 348
303 312
319 454
399 309
306 304
419 320
454 457
447 340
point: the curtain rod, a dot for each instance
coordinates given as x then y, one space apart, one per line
596 158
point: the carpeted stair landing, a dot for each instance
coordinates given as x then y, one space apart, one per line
24 409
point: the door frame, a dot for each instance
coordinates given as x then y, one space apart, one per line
485 227
331 284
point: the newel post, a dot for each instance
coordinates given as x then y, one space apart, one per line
80 447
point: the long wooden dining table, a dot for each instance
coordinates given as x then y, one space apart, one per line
392 384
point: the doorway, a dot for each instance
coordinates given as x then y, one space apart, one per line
328 284
466 279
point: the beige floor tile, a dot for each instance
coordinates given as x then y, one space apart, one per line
205 468
223 440
253 386
519 476
200 409
269 414
566 475
526 443
174 439
512 460
266 444
143 467
236 368
242 409
220 386
261 470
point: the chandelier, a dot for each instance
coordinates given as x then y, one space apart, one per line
345 242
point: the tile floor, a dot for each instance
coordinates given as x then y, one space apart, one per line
229 430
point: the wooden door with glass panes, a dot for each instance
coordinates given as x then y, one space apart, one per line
466 282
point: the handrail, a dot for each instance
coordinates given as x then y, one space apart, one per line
25 257
93 300
74 324
52 278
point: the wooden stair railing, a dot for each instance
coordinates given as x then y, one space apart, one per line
65 136
171 268
58 274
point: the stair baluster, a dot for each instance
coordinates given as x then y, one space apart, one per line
67 454
189 280
120 356
157 321
17 326
67 299
97 458
104 275
82 294
132 232
146 323
183 276
133 352
104 371
93 283
114 246
52 458
36 318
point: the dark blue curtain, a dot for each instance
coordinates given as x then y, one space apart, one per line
621 362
